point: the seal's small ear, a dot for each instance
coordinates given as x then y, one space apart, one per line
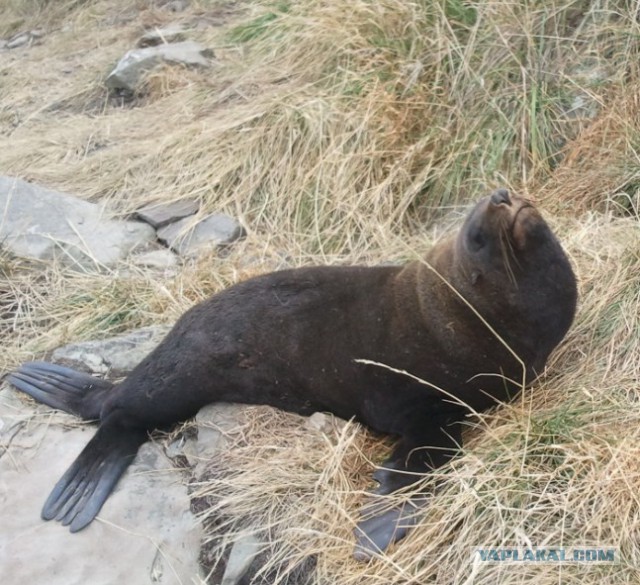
475 277
519 234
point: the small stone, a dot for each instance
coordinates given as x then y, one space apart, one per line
244 550
583 106
161 259
187 239
319 421
165 213
168 34
130 69
213 425
19 40
177 5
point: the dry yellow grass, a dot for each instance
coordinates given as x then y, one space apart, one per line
340 132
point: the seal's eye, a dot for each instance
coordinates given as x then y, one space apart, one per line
477 239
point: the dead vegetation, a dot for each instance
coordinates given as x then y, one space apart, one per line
339 132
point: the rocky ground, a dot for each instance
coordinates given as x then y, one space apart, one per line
149 533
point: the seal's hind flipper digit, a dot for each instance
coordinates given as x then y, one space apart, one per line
83 489
383 526
62 388
35 389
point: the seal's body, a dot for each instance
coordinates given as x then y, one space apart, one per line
498 296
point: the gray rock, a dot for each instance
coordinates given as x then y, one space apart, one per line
42 224
588 78
3 44
159 259
19 40
9 401
253 260
188 240
168 34
319 421
129 71
212 424
121 353
242 554
583 106
144 535
165 213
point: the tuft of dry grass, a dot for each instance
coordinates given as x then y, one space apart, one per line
350 133
297 505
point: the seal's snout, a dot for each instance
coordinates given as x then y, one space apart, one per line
500 196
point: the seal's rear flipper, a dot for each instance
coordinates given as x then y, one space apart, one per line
83 489
63 388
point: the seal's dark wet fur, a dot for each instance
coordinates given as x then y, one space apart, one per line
292 339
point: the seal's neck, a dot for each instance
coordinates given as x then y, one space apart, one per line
429 285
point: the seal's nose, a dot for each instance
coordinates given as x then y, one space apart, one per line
500 196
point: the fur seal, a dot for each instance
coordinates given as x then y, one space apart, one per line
476 319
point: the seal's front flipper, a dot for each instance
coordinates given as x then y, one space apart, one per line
84 488
62 388
382 526
428 443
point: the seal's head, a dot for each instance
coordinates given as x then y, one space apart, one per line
505 234
502 229
512 268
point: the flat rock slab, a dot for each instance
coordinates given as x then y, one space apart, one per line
119 354
42 224
144 535
146 532
188 239
130 69
163 214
